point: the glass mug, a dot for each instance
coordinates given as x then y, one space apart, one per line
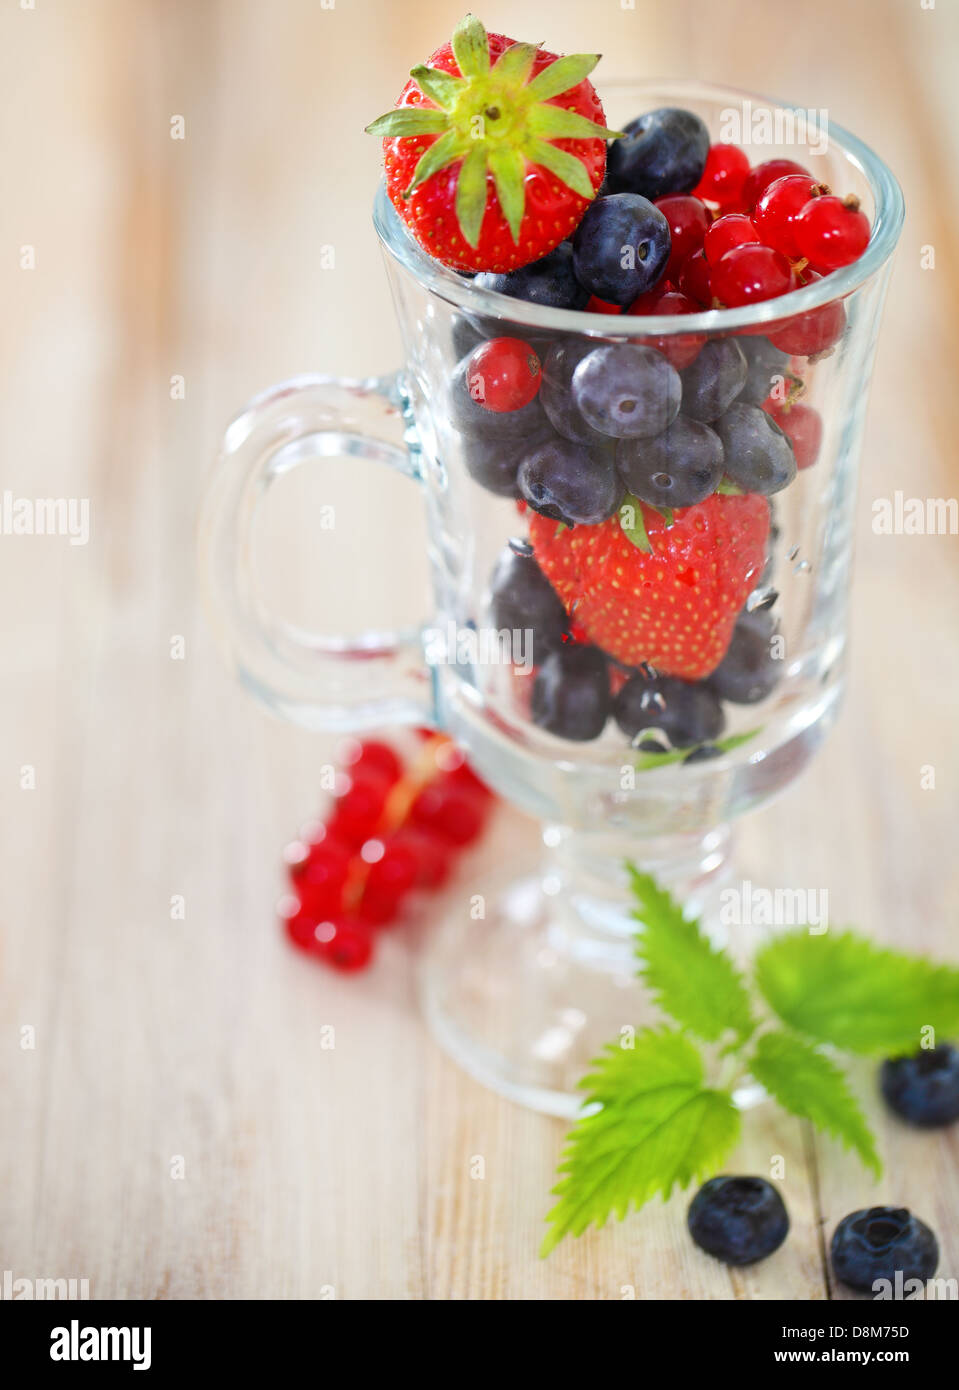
525 996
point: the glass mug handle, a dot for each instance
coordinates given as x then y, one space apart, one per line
320 681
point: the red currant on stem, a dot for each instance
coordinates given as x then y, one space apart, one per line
832 232
774 216
344 943
299 924
503 374
735 229
453 813
370 753
360 800
748 274
727 167
759 179
688 219
433 855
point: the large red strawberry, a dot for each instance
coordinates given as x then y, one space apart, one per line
646 591
494 150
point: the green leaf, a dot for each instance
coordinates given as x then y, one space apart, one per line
729 489
508 168
658 1127
515 63
841 988
441 87
634 527
563 165
563 74
442 152
692 981
471 47
471 195
556 123
409 120
809 1084
646 762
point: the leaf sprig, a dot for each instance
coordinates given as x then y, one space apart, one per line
653 1120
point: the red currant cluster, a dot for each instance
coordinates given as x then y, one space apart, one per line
392 830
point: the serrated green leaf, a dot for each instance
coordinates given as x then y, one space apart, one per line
658 1128
841 988
646 762
560 76
409 120
809 1084
442 152
563 165
691 980
471 195
556 123
471 47
633 526
515 63
441 87
508 167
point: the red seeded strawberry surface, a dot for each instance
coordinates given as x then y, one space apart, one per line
674 606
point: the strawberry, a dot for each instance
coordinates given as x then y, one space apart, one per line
649 591
494 149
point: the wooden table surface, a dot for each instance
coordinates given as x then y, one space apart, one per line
308 1170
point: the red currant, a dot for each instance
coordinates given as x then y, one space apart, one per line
735 229
320 879
299 924
694 279
688 219
344 943
373 753
831 232
802 424
453 813
433 855
805 335
759 179
774 216
359 801
503 374
393 867
683 349
602 306
748 274
727 167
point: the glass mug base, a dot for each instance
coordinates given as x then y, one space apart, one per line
524 996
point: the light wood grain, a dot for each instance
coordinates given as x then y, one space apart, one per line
309 1169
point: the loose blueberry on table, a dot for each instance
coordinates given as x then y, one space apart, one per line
881 1243
644 461
738 1220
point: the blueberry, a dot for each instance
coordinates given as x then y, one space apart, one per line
474 419
627 391
686 714
704 753
749 671
879 1243
621 247
714 380
677 468
522 599
571 693
759 455
494 463
763 363
550 281
465 335
663 151
555 391
739 1220
924 1088
571 482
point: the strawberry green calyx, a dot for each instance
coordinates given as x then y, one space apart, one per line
496 121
